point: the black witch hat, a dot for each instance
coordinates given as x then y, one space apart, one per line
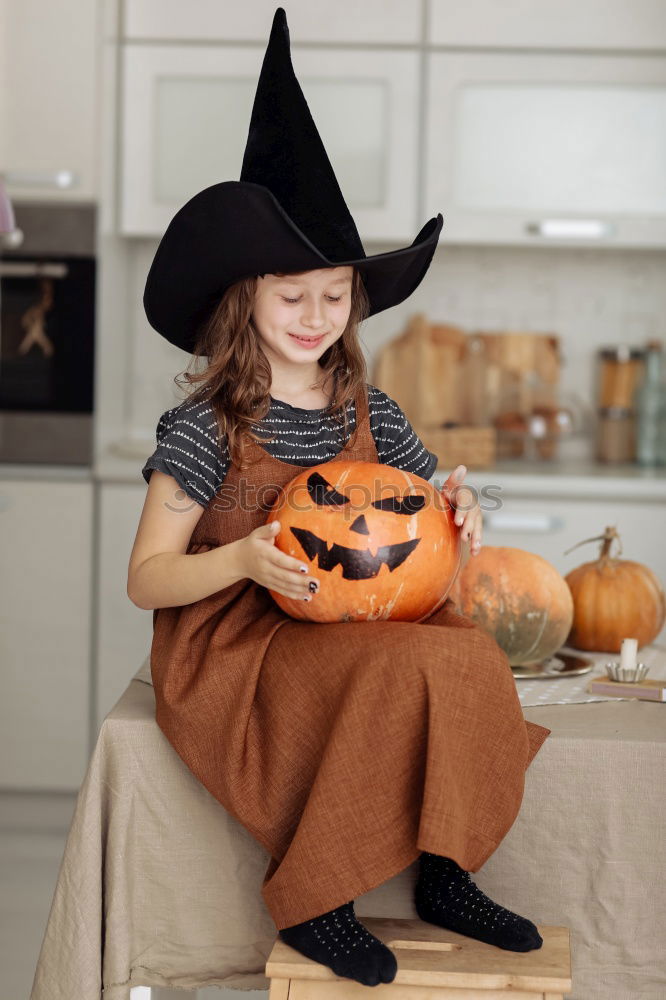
286 213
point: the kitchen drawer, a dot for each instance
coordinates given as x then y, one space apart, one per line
46 536
548 527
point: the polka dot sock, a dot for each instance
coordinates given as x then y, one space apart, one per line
338 940
445 895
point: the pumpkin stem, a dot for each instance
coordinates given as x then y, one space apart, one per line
610 534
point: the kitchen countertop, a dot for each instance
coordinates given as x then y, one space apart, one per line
568 478
571 478
43 471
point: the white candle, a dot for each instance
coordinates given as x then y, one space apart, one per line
628 654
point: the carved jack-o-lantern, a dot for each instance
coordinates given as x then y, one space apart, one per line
381 542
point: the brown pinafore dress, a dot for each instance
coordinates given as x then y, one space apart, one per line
344 749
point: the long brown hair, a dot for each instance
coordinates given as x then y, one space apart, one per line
237 377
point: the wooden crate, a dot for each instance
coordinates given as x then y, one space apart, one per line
475 447
433 964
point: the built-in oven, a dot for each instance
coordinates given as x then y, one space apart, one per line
47 335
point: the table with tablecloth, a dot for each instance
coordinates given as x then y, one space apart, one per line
160 886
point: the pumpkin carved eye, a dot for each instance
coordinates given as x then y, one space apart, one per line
325 495
406 505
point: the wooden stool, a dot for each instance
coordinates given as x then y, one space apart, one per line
433 964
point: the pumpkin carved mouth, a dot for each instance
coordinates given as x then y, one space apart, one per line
357 564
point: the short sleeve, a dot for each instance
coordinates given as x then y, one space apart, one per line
397 442
187 449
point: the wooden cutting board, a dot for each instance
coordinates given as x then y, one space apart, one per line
439 373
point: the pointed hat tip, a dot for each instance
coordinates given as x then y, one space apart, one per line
280 21
279 36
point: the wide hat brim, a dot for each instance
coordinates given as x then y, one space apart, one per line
237 229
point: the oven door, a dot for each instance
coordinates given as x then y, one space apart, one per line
47 339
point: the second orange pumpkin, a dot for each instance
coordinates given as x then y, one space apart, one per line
519 598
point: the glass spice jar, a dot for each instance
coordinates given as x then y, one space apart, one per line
620 371
616 434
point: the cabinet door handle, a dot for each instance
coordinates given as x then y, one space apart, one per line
505 521
41 178
595 229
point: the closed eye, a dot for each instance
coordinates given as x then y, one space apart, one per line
329 297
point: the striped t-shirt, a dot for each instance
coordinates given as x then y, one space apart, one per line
188 449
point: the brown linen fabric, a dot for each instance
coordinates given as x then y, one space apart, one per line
344 749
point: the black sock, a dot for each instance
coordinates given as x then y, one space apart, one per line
445 895
338 940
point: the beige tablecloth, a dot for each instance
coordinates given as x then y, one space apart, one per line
159 886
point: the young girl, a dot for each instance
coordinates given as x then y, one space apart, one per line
348 750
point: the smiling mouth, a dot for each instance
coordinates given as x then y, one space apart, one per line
308 339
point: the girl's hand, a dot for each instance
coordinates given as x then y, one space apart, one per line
261 561
468 512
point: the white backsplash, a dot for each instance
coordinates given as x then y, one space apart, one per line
588 297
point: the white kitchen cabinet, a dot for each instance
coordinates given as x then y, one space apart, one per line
549 526
185 115
548 24
382 21
547 149
48 99
45 615
124 632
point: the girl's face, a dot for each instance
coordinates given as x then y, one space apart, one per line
299 316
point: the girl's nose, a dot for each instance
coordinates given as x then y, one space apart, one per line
313 320
313 314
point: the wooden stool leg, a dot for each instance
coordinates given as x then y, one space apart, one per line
279 989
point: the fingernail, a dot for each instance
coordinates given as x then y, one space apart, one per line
313 587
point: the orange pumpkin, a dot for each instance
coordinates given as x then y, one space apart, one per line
381 542
519 598
613 599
